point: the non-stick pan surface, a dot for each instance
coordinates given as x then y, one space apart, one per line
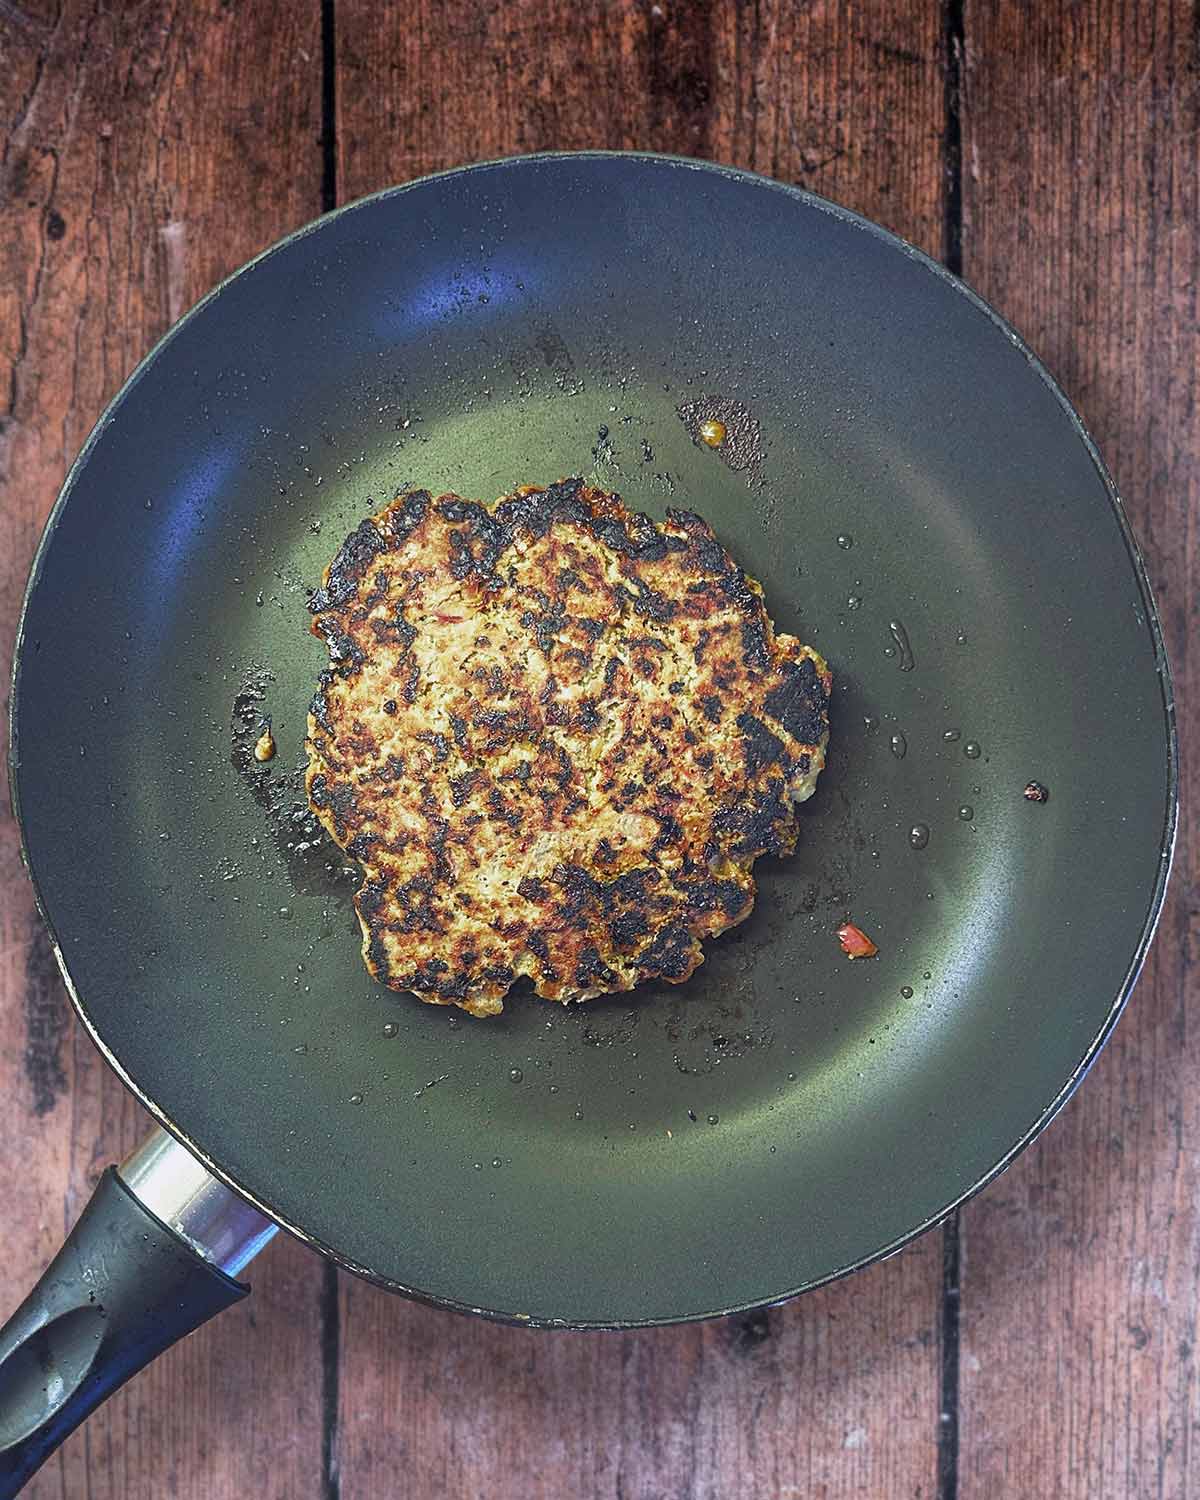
921 484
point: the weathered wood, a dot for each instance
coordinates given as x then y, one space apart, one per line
845 100
148 149
1079 1292
832 1395
836 1395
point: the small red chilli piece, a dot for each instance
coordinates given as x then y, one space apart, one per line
855 942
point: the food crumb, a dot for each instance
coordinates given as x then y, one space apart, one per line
1036 792
855 942
712 432
264 746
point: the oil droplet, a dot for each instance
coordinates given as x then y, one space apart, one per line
391 1028
632 1126
516 1075
854 602
845 541
712 432
478 1166
870 724
906 991
301 1047
900 636
356 1098
714 1119
264 746
285 912
950 735
791 1078
579 1114
918 835
927 975
972 750
554 1088
961 638
966 813
496 1162
899 745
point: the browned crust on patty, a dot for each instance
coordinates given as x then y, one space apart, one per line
556 736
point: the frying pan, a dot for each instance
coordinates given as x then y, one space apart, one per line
919 501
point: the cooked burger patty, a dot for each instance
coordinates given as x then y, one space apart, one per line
556 736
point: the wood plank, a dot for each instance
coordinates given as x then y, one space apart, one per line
836 1395
831 1395
846 101
143 158
1079 1288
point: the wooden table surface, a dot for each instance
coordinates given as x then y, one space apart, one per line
1042 1344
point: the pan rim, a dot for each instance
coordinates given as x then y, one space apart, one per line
1151 620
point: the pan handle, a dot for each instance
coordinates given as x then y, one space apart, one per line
153 1256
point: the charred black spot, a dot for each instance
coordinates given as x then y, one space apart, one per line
759 745
533 889
438 743
409 690
590 627
319 707
499 974
460 787
348 568
389 706
626 929
458 728
503 810
457 510
648 602
711 556
670 955
586 715
406 517
581 889
343 652
800 703
710 706
631 887
536 513
669 832
711 895
610 671
591 968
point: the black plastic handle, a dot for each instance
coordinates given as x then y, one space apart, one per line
122 1289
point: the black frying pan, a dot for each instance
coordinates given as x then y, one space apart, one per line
918 499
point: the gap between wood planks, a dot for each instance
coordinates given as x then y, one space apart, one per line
952 247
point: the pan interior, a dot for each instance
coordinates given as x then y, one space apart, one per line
920 505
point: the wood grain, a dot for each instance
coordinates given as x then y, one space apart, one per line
844 100
832 1395
838 1394
1079 1283
143 159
